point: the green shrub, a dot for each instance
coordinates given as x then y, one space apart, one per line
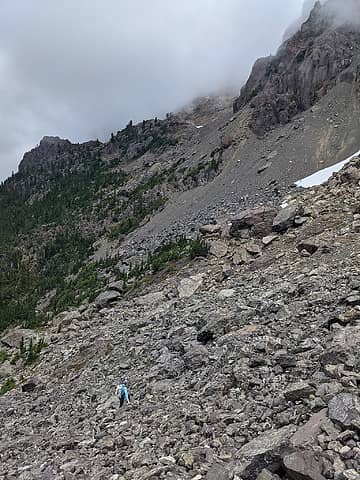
7 386
3 356
175 250
141 209
86 285
29 354
198 248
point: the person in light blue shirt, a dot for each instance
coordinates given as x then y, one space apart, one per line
122 393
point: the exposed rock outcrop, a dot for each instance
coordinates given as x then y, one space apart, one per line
304 69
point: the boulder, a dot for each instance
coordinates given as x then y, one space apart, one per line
210 229
269 239
308 433
188 286
29 386
106 443
107 298
226 293
298 391
258 220
344 409
253 248
241 257
265 451
65 319
344 347
219 472
286 217
218 248
350 475
303 466
196 356
117 286
310 245
151 299
266 475
350 175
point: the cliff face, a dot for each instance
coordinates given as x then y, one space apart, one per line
322 54
49 149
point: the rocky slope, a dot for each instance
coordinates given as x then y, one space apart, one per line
241 354
243 365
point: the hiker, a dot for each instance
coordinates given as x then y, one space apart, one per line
122 393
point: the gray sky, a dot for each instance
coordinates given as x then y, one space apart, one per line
82 68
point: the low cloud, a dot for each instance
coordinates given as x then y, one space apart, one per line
81 69
345 12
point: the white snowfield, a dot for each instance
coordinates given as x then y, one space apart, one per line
323 176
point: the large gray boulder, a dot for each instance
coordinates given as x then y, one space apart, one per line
303 466
256 220
264 451
343 348
107 298
344 409
210 229
308 433
15 336
188 286
298 391
286 218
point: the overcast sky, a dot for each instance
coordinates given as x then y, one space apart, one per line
82 68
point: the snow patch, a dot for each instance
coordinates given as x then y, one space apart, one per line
323 176
199 126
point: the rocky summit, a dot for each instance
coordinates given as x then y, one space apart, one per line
179 257
325 52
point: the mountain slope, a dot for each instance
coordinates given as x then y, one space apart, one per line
113 203
238 329
225 364
308 65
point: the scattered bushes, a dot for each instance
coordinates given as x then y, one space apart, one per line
141 209
164 257
3 356
7 386
175 250
29 353
86 285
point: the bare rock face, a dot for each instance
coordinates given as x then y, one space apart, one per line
49 149
322 54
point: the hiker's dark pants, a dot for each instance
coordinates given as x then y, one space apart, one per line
122 400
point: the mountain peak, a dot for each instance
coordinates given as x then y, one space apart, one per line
324 52
50 140
48 150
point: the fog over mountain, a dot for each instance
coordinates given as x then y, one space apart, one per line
83 69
